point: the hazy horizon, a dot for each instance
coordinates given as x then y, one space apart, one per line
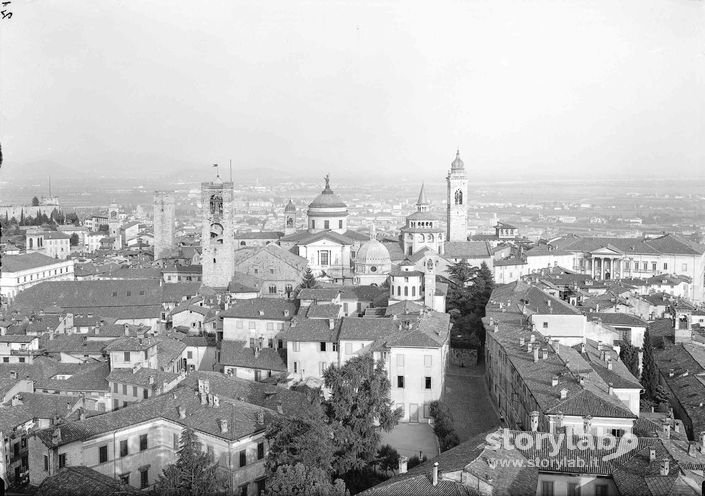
569 90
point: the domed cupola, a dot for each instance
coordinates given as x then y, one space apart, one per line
327 212
457 164
290 207
372 262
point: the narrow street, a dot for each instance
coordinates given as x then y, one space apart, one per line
468 399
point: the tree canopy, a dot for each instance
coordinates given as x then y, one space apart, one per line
35 201
192 474
467 297
303 480
649 372
309 280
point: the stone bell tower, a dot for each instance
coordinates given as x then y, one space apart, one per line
457 201
217 235
164 224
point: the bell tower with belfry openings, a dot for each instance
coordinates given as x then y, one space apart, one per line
457 201
217 236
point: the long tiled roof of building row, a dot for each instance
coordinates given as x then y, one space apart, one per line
666 244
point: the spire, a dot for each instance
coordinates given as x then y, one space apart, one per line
422 196
457 164
373 231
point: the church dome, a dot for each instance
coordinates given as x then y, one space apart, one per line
457 163
373 252
290 207
327 199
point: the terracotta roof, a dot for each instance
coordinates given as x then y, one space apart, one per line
259 235
320 294
128 343
235 353
310 330
82 481
262 308
326 311
17 263
467 249
618 319
168 350
141 376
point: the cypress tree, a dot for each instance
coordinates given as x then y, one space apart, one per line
649 373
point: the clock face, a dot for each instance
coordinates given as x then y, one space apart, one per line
216 230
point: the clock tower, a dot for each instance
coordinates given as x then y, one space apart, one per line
457 201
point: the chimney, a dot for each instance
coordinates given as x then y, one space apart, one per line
582 380
210 399
492 463
582 348
610 389
529 347
280 409
216 401
182 411
534 421
151 380
667 429
496 328
127 330
521 341
652 455
260 417
223 425
17 400
671 373
533 338
665 467
536 354
554 381
403 460
286 312
56 436
204 398
331 324
609 363
676 427
435 474
544 353
564 393
82 414
13 374
256 351
206 386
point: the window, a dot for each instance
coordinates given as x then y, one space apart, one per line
653 268
406 291
400 360
123 448
272 289
296 367
573 489
323 346
288 289
189 355
322 367
313 224
684 267
125 479
211 453
270 326
326 224
323 258
62 460
129 293
340 224
46 463
413 290
296 346
261 484
260 451
617 432
546 488
145 393
243 458
243 490
348 348
665 266
126 356
124 389
335 346
134 391
5 359
646 265
103 454
115 387
143 442
400 381
175 441
427 361
428 382
600 489
144 478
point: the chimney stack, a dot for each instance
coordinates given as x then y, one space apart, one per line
403 460
260 417
667 429
536 354
554 381
521 341
182 411
544 353
564 394
610 390
435 474
534 421
127 330
665 467
82 414
652 455
223 426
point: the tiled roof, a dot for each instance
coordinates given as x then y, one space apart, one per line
273 251
17 263
518 295
128 343
306 238
241 417
310 330
320 294
618 319
262 308
17 338
72 343
362 293
467 249
244 283
235 353
668 244
259 235
141 376
430 330
175 292
168 350
81 377
55 235
327 311
405 307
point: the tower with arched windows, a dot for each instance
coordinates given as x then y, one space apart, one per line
289 218
217 235
457 226
422 229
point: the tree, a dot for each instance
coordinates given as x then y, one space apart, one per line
35 202
468 295
300 440
72 218
462 273
387 458
74 239
192 474
649 372
303 480
309 280
630 356
359 408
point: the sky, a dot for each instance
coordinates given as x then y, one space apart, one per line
570 89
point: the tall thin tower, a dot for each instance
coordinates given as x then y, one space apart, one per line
217 237
164 223
457 201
